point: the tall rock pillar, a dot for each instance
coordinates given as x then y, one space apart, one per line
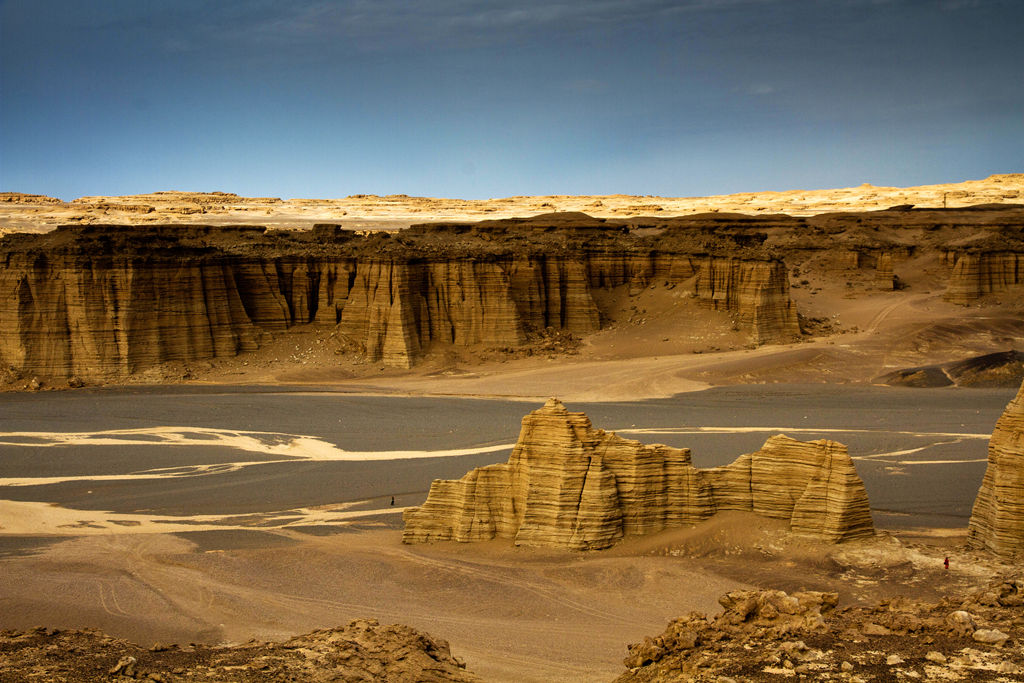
997 521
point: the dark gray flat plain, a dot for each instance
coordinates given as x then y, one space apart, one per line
920 451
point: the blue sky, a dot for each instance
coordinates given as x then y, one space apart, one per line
462 98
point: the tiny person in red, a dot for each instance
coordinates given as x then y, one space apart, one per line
946 563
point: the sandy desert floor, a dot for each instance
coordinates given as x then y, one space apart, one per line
512 614
219 514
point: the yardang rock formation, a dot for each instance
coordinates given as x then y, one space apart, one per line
997 521
567 484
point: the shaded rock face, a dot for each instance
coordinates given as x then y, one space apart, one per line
977 274
364 650
1001 369
997 520
569 485
74 303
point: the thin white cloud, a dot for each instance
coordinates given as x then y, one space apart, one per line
761 89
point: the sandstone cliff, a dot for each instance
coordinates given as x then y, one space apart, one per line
569 485
980 273
997 521
107 301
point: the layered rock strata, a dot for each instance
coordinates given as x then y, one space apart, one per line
976 274
997 520
569 485
107 301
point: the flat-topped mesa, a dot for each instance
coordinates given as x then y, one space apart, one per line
997 520
569 485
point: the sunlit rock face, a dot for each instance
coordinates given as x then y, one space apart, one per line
567 484
997 521
811 483
108 301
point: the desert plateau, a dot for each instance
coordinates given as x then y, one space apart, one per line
395 438
513 341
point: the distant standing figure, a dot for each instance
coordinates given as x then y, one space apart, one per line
944 562
393 502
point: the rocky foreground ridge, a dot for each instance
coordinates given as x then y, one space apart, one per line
997 520
771 636
362 651
569 485
761 635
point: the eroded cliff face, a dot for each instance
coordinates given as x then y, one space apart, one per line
105 302
975 274
997 520
67 315
569 485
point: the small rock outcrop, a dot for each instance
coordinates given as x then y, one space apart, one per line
567 484
771 635
997 520
1000 369
364 650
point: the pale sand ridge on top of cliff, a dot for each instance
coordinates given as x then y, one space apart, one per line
37 213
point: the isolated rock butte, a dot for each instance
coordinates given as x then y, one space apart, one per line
997 521
569 485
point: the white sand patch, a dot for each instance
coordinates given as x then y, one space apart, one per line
803 430
896 454
268 443
939 462
35 518
291 448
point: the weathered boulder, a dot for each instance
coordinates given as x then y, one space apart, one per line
567 484
997 520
